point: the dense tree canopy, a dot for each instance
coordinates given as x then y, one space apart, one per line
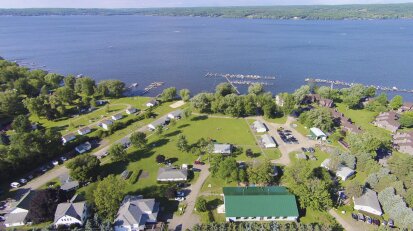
168 94
319 117
84 168
117 152
138 139
108 195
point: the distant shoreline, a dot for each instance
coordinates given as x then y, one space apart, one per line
311 12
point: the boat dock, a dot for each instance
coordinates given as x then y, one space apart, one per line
152 86
239 76
347 84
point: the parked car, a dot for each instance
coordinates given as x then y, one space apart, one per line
376 222
368 220
44 169
63 159
391 223
360 217
303 149
30 177
312 150
179 198
354 216
23 181
15 185
384 222
2 218
180 194
55 162
182 185
198 162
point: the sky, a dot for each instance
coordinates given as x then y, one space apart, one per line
173 3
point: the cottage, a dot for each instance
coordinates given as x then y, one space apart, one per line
84 131
272 203
346 124
82 148
407 106
67 138
326 102
268 141
175 114
131 110
152 103
368 202
67 184
117 117
106 124
388 121
17 216
135 212
222 149
164 120
100 102
259 126
343 172
172 174
70 213
317 134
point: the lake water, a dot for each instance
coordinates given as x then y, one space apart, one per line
181 50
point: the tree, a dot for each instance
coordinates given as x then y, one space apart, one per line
182 143
249 153
53 80
289 103
301 93
367 142
168 94
256 89
159 130
406 119
201 204
111 88
10 103
117 152
21 124
260 174
160 159
228 169
224 89
108 195
202 102
354 189
185 94
84 168
138 139
396 102
43 205
319 117
85 86
70 81
65 94
170 192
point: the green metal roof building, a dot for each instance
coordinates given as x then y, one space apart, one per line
271 203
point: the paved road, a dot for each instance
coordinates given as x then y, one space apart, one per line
189 219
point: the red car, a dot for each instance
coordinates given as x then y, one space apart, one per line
198 162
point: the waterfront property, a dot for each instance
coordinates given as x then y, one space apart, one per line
225 149
368 202
407 106
268 141
259 126
172 174
67 138
152 103
317 134
346 124
106 124
117 117
388 121
131 110
175 114
70 213
271 203
164 120
84 131
135 212
403 142
17 216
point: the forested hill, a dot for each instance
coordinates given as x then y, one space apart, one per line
374 11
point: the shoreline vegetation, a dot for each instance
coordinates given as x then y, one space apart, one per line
297 12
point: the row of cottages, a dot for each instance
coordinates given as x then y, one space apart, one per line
346 124
388 121
272 203
169 174
71 136
403 142
368 202
342 172
164 120
259 127
268 141
225 149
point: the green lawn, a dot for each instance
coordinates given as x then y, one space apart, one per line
280 120
212 215
320 155
314 216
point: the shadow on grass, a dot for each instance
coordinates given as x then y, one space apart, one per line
113 168
158 143
174 133
183 126
140 154
213 204
198 118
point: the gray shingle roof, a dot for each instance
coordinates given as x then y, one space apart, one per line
258 125
268 140
171 173
136 211
69 209
14 218
222 148
369 198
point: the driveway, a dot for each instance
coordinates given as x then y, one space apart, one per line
350 225
189 219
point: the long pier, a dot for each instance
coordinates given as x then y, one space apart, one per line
239 76
152 86
347 84
236 89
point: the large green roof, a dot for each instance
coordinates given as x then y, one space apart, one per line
270 201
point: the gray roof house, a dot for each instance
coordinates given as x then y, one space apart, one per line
70 213
159 122
152 103
67 184
259 126
68 137
117 116
106 124
17 216
82 148
368 202
222 149
175 114
131 110
342 172
268 141
135 212
84 130
172 174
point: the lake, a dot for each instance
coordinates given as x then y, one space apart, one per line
181 50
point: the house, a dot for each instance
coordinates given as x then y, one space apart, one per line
301 156
346 124
84 131
82 148
67 138
407 106
164 120
175 114
222 149
388 121
135 212
343 172
17 216
67 184
368 202
131 110
403 142
106 124
100 102
259 126
117 117
268 141
317 134
70 213
326 103
172 174
271 203
152 103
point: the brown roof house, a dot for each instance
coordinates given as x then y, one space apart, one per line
403 142
388 121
